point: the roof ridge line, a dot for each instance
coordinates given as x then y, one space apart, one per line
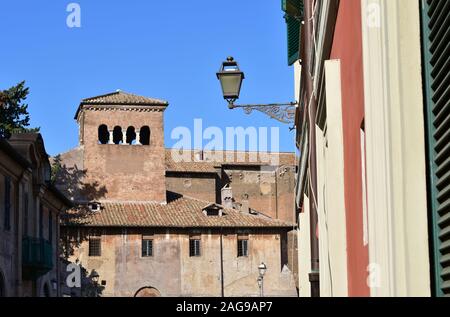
234 151
103 95
79 147
232 209
109 201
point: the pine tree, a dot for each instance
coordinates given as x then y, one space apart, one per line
14 116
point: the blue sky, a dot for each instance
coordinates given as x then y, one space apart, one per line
163 49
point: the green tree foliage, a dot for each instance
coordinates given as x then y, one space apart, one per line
14 116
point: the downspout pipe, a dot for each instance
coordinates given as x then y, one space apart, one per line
222 287
311 103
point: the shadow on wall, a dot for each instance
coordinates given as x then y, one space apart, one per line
88 286
70 181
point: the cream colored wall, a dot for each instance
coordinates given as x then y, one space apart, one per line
304 250
330 190
321 200
297 79
335 204
396 175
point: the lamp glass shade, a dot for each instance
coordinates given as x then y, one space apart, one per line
230 78
94 276
262 269
231 85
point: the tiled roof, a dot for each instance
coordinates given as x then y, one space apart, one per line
122 98
210 160
179 212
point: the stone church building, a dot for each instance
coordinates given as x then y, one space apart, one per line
150 225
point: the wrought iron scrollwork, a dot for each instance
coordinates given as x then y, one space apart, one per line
282 112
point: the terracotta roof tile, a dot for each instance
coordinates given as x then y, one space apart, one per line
122 98
179 212
118 99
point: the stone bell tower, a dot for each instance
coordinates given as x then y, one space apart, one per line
122 137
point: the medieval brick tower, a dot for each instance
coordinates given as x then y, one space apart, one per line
122 137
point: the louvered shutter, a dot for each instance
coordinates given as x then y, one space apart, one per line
436 53
293 16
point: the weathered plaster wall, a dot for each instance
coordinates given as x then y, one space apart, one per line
270 192
174 273
11 239
196 185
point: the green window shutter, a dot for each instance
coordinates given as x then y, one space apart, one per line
436 55
293 17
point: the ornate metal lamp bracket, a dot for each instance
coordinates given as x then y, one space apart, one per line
282 112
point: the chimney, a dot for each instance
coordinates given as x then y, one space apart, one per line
199 157
245 206
227 197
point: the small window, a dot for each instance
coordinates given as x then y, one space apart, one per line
94 207
117 135
7 204
131 136
212 212
95 246
242 247
103 134
194 247
147 247
144 135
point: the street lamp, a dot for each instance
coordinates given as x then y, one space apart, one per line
95 277
262 268
231 77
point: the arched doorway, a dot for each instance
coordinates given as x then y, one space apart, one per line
46 290
2 285
147 292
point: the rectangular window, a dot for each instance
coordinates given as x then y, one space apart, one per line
194 246
95 245
7 219
147 247
242 247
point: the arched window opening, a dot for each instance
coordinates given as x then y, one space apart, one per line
103 134
145 135
131 136
117 135
147 292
